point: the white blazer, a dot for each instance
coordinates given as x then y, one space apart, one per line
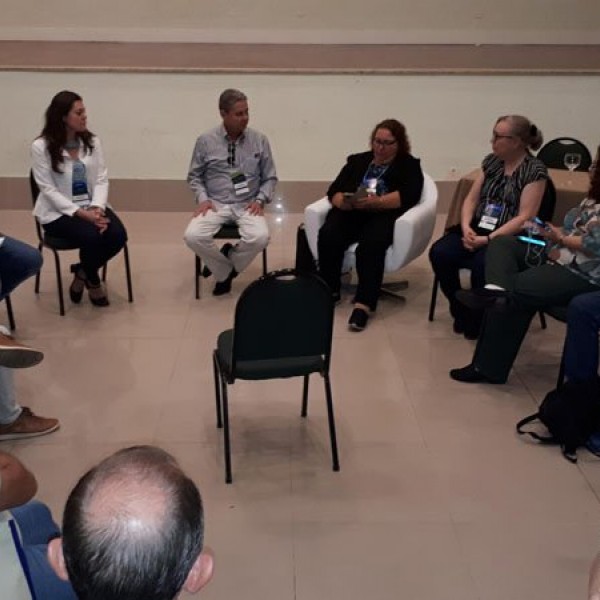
56 198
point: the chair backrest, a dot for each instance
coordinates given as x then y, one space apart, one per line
553 153
35 192
548 203
284 314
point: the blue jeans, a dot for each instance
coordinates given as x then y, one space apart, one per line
37 528
581 342
18 261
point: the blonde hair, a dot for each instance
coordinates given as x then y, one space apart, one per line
525 130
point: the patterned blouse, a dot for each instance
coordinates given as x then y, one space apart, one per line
583 221
505 190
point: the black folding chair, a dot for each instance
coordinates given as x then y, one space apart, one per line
553 153
282 328
56 245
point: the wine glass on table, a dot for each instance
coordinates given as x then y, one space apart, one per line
572 161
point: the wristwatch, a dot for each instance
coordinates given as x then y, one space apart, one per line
261 201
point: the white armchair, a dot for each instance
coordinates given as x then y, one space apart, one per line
412 232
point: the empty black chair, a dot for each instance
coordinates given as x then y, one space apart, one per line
553 153
229 231
56 245
282 328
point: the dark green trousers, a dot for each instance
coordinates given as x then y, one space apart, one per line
531 289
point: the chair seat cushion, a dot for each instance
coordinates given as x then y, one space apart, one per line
227 232
265 369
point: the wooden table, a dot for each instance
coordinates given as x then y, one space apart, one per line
571 188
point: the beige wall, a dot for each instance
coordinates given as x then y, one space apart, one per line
148 122
316 21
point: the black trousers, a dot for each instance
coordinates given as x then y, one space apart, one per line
374 232
448 256
531 289
95 248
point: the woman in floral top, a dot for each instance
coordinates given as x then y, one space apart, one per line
571 267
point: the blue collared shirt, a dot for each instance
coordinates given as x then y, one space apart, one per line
211 167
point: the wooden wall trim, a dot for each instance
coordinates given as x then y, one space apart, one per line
384 59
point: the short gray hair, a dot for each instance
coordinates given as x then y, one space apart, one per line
229 97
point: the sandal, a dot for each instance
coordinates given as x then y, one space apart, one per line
78 284
97 294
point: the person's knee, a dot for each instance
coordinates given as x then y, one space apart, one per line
261 241
439 255
503 243
585 307
35 261
194 236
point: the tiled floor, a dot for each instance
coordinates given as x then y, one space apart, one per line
436 498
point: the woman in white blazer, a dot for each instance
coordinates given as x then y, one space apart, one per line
68 166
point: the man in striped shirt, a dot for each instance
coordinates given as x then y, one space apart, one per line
232 175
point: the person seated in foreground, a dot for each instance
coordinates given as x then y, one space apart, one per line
18 262
506 193
232 175
133 528
515 290
31 575
370 192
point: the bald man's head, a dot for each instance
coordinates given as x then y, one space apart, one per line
132 528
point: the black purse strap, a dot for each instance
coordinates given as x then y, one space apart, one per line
544 439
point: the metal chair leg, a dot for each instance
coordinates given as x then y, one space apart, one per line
104 272
305 397
39 273
217 375
197 275
11 316
434 292
543 319
330 418
128 273
61 300
228 477
264 261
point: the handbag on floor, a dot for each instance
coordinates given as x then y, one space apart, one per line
570 413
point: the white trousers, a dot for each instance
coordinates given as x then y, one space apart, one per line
253 231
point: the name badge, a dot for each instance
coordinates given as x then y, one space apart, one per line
240 183
491 215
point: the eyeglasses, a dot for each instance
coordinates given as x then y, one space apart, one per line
388 143
497 136
593 167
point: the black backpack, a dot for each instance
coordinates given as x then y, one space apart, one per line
571 413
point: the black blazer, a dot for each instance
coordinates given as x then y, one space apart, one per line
404 175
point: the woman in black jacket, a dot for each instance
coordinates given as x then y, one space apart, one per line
371 191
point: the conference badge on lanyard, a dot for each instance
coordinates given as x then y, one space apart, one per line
240 183
491 215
